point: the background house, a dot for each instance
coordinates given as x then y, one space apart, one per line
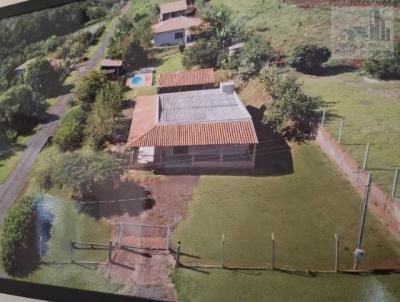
175 31
173 9
186 80
203 128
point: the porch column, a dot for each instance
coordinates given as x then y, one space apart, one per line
221 154
253 160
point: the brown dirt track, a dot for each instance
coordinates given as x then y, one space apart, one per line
145 271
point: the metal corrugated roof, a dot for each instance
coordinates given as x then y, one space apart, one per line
186 78
200 106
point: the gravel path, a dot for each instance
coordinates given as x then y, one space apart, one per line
14 185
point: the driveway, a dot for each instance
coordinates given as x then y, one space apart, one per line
14 185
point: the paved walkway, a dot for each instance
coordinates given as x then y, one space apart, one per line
14 185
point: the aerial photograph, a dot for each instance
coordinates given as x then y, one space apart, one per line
200 150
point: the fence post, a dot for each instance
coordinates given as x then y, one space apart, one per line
178 254
167 243
323 117
222 250
395 178
340 132
40 246
110 251
273 250
72 251
366 154
336 252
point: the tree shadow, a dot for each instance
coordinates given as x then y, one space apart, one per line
116 199
10 151
332 70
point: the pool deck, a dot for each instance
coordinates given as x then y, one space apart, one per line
148 80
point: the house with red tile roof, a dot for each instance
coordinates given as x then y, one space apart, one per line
186 80
200 128
173 9
175 31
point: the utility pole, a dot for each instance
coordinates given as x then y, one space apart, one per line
359 253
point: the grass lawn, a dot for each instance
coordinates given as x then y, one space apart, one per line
371 113
303 210
70 224
170 63
274 286
284 25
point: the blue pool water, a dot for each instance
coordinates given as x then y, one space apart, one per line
137 80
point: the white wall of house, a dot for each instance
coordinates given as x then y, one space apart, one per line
175 37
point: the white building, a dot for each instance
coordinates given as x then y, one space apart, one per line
175 31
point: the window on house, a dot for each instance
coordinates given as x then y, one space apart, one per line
181 150
178 36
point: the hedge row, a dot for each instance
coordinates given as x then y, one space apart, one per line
16 236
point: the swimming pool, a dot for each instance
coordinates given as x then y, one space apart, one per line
137 80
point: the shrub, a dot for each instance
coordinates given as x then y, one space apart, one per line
203 53
16 236
70 133
383 65
309 58
42 77
181 47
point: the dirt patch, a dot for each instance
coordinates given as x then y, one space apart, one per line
147 268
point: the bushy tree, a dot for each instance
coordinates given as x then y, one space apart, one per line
309 58
203 53
41 76
103 117
79 170
383 65
70 133
224 31
19 105
88 88
290 109
16 235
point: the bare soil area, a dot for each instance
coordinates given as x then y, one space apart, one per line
145 267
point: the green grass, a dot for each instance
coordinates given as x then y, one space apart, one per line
68 225
284 25
303 210
274 286
371 113
170 63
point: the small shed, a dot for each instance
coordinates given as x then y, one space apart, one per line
233 49
112 68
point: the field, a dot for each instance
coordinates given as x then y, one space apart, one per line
371 114
284 25
303 210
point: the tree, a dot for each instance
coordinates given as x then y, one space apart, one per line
70 133
203 53
16 235
19 105
290 109
135 56
223 29
102 119
88 88
253 55
383 65
80 171
41 76
309 58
